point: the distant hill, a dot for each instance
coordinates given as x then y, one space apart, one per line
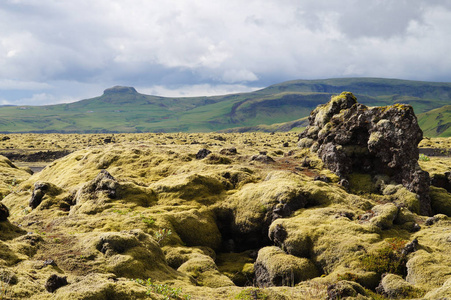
436 122
123 109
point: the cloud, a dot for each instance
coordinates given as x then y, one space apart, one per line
47 44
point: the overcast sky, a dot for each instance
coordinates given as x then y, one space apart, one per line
54 51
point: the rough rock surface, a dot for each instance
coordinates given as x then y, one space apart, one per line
351 137
4 212
55 282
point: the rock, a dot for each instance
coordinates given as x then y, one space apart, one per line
4 212
434 219
344 289
54 282
350 137
262 158
442 180
104 182
384 215
393 286
40 190
228 151
202 153
322 178
274 267
410 247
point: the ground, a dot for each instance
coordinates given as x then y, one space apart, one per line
136 216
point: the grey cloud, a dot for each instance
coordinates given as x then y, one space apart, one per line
206 43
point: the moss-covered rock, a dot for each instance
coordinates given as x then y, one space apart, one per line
239 267
395 287
203 269
274 267
440 201
384 215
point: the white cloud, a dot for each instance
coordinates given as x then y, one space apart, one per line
195 90
194 42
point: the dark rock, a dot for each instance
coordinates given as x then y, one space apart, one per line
262 158
286 144
202 153
350 137
5 138
416 227
410 247
322 178
228 151
4 212
40 188
55 282
305 163
108 140
442 180
104 182
434 219
278 235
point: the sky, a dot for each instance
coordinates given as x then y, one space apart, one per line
57 51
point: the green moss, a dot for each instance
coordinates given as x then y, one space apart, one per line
385 215
440 201
285 269
361 183
388 259
396 287
239 267
252 294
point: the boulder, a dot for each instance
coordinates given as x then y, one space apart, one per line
393 286
351 137
274 267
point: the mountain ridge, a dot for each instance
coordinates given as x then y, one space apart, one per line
124 109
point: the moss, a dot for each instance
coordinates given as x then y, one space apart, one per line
284 269
239 267
196 228
361 183
396 287
387 259
100 287
440 201
189 186
441 292
385 215
204 270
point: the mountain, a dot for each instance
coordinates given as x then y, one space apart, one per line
123 109
436 122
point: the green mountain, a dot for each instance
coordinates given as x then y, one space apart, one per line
436 122
123 109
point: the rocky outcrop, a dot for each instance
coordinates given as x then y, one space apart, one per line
351 137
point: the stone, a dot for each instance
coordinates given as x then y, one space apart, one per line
54 282
351 137
202 153
4 212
